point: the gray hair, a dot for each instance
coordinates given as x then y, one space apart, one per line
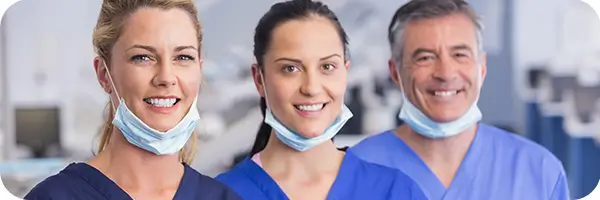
426 9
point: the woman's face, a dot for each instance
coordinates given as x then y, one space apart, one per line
155 65
304 75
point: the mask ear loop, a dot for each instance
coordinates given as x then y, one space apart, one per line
404 97
262 78
112 83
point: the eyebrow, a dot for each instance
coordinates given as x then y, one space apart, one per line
453 48
461 47
422 50
300 61
153 50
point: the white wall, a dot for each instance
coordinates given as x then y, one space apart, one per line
51 39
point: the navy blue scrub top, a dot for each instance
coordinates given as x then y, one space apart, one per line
83 182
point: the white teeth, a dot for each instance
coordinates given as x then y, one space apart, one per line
162 102
314 107
445 93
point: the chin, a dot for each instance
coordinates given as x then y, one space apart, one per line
162 126
448 116
310 133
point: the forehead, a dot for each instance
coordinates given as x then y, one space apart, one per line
440 33
310 38
159 28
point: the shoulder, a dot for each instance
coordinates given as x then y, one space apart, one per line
522 152
210 188
377 144
234 177
58 186
373 172
239 180
239 176
518 145
373 142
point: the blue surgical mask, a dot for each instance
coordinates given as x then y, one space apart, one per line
420 123
298 142
143 136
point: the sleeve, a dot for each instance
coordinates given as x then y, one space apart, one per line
561 188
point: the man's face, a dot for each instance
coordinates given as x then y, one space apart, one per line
442 69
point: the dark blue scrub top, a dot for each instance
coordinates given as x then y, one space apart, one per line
83 182
356 180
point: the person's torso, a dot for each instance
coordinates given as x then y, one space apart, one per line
499 165
355 180
81 181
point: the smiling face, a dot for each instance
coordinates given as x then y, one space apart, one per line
155 65
304 75
442 69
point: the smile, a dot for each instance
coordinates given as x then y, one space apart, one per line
445 93
162 102
311 107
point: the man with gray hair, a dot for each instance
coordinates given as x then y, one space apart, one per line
439 64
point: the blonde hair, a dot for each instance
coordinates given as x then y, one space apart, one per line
113 14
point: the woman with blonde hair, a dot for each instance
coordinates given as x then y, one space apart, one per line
149 62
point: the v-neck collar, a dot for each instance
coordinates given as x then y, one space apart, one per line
109 189
429 182
271 190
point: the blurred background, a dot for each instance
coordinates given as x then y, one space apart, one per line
543 82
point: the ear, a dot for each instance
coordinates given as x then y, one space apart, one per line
258 80
393 69
347 65
483 67
201 64
102 74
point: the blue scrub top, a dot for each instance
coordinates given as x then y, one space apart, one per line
81 181
498 165
356 179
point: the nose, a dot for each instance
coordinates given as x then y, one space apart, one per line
165 76
311 85
445 71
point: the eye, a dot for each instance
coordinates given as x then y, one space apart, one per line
425 59
140 58
290 68
328 67
185 57
460 55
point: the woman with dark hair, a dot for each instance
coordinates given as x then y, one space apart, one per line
302 65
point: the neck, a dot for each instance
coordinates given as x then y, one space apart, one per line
279 159
443 155
136 169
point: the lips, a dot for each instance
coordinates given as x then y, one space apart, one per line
310 107
444 93
163 102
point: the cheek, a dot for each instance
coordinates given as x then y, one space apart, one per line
191 83
132 83
279 94
337 90
418 78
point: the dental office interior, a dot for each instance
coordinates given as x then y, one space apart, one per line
543 82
